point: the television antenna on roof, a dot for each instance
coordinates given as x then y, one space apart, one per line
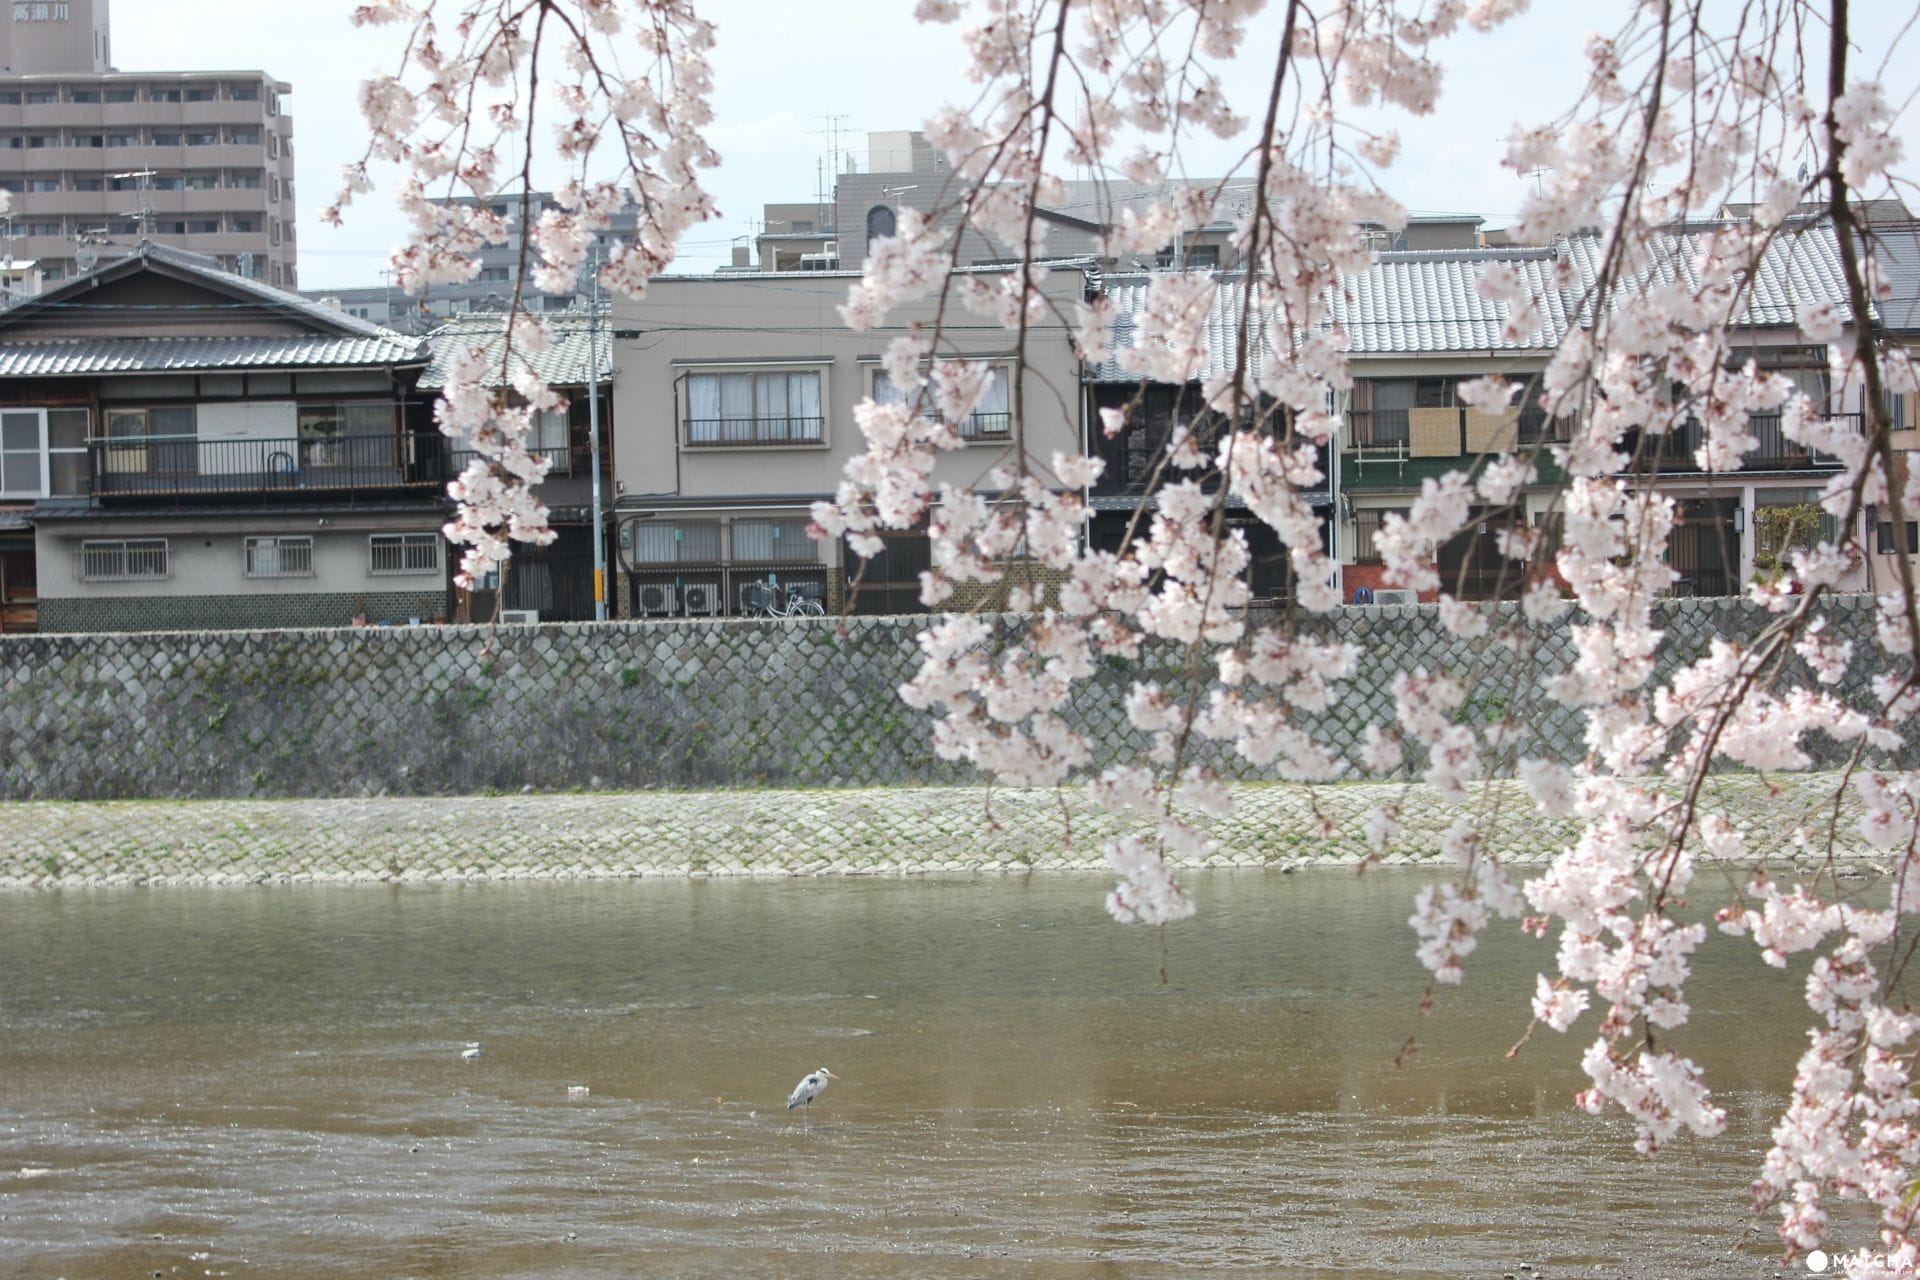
143 208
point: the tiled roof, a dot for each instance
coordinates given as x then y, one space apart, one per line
1129 294
200 264
564 364
1801 265
1428 302
81 356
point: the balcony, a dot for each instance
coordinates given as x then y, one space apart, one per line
1674 451
145 469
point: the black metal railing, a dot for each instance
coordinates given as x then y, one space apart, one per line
1674 450
721 432
1378 428
187 466
987 426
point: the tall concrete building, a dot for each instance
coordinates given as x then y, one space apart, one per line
98 159
489 291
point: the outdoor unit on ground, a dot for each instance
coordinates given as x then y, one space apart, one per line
519 617
702 598
1395 595
658 600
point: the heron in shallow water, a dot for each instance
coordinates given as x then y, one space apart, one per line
810 1088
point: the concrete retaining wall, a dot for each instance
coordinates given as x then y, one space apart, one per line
725 704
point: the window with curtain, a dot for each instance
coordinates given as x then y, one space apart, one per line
992 417
754 408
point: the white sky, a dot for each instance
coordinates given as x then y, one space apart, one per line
781 69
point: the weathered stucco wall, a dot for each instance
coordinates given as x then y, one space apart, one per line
464 710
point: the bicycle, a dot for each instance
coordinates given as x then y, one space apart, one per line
771 600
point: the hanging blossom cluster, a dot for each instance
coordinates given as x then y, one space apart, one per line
1650 323
483 87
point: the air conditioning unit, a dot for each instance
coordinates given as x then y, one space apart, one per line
701 598
1395 595
658 600
519 617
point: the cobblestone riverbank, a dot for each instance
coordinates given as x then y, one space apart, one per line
771 833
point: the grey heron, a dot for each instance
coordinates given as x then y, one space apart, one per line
809 1089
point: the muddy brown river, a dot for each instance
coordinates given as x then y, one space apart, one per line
270 1082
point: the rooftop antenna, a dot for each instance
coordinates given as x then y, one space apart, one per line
898 191
143 208
830 171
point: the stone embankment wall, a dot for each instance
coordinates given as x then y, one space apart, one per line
724 704
849 831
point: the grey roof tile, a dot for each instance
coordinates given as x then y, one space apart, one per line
82 356
564 364
1427 302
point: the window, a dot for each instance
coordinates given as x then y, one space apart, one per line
41 141
84 95
676 541
1886 544
123 139
992 416
89 184
246 224
162 441
118 95
357 434
880 223
1366 527
494 275
203 226
11 142
273 146
89 140
202 139
43 453
395 553
244 92
201 181
44 228
22 462
245 137
163 95
166 183
168 139
276 230
43 184
279 557
41 97
246 181
754 408
10 98
202 93
123 559
773 540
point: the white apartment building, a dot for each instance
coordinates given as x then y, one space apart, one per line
97 158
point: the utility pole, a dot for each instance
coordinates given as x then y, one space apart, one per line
593 430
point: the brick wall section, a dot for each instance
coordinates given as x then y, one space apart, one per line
222 613
735 703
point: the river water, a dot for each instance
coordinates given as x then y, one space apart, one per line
269 1082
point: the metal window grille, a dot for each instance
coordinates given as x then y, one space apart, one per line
279 557
404 553
123 560
773 540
